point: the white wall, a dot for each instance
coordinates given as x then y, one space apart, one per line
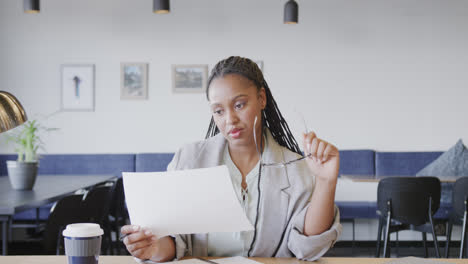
376 74
384 75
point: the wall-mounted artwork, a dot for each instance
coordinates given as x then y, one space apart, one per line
77 87
189 78
134 81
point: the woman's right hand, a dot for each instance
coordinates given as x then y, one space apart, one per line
143 244
139 242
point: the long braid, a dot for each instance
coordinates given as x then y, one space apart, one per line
273 119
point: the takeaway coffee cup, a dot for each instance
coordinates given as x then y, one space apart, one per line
83 243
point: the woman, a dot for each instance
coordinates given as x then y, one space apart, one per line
291 206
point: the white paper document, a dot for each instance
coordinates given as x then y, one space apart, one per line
184 202
233 260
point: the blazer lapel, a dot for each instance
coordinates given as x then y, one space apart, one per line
274 201
211 154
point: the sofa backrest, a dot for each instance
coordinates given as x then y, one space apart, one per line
3 159
352 162
147 162
53 164
402 163
357 162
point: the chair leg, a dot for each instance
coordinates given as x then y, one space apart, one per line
59 241
397 245
434 238
449 236
463 236
109 237
10 229
115 229
424 243
387 238
379 238
354 237
466 245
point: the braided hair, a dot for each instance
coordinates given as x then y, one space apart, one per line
271 115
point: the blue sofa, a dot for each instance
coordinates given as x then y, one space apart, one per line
387 164
87 164
353 162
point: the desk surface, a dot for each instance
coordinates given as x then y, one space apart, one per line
48 188
130 260
372 178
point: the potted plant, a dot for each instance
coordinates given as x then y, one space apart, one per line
22 172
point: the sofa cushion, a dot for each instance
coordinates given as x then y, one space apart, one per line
402 163
361 209
30 215
445 210
149 162
357 162
453 162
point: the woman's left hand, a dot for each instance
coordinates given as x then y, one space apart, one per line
324 159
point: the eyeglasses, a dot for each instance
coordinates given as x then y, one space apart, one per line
277 164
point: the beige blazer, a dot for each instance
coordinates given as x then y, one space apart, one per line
284 199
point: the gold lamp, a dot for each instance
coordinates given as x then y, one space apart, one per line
12 113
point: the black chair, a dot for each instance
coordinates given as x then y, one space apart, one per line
90 207
66 211
407 203
118 214
95 206
459 214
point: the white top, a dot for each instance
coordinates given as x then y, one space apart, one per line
83 230
237 243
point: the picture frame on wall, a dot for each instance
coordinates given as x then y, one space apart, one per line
77 91
189 78
133 81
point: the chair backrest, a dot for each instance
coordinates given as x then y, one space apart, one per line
460 195
67 210
118 208
409 197
97 200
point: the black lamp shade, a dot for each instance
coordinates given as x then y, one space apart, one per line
31 6
291 12
161 6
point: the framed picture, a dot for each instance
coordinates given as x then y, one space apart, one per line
77 87
189 78
134 81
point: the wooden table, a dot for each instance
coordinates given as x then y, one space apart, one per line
130 260
372 178
47 189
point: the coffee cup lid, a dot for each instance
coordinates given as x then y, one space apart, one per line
83 230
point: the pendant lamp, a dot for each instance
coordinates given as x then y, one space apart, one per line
31 6
161 6
291 12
